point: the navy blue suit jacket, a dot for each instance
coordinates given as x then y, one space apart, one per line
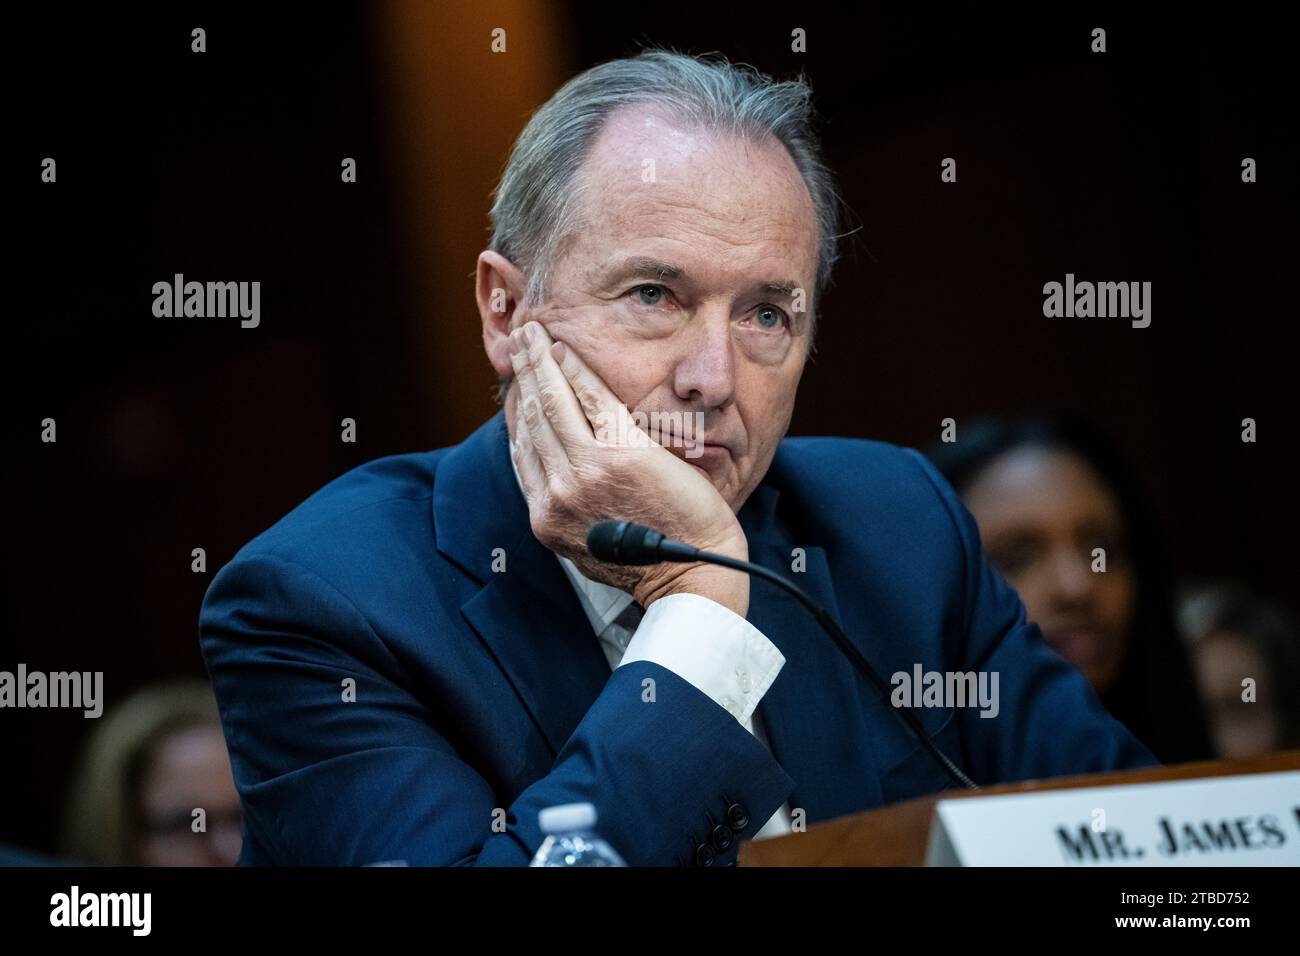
482 696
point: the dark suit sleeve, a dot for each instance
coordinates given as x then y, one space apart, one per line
1050 722
324 781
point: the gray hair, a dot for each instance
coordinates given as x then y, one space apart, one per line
534 209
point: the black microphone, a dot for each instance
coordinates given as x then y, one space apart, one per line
623 542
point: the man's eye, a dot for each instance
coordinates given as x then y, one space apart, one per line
770 318
650 294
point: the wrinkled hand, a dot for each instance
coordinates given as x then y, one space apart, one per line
573 480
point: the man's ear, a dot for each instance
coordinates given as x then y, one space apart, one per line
499 288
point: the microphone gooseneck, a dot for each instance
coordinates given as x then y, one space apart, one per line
627 543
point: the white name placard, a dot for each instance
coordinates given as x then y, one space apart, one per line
1249 820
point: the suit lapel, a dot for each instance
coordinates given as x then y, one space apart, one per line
532 621
527 615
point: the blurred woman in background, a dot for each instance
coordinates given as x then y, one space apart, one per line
152 762
1246 652
1046 493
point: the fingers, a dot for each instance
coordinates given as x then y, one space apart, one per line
598 403
542 439
529 465
559 402
609 418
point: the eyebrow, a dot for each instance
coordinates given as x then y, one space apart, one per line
647 267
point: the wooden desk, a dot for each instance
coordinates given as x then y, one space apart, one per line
897 835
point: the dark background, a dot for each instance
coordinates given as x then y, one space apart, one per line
176 434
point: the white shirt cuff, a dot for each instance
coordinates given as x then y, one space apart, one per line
710 647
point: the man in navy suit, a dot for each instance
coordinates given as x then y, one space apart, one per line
422 656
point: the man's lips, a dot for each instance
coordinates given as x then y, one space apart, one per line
705 456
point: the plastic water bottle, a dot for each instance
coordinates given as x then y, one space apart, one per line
571 838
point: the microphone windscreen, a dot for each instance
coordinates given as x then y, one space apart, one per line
603 541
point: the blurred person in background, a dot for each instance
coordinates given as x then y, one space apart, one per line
1237 637
150 763
1045 492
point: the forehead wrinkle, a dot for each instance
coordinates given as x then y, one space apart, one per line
667 216
628 210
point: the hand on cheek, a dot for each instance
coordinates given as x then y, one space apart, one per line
572 479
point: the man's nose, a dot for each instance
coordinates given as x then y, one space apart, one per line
706 369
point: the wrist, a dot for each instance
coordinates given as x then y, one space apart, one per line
722 585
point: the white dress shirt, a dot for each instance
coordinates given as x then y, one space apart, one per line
707 645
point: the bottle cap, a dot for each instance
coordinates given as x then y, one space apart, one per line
567 817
